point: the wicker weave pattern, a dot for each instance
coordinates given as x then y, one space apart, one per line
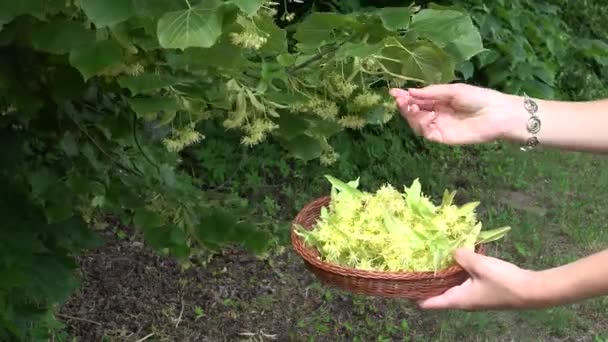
407 285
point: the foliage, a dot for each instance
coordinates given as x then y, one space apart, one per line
100 102
393 231
533 51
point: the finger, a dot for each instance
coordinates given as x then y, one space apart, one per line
396 92
424 104
469 260
414 117
432 133
426 119
456 297
440 92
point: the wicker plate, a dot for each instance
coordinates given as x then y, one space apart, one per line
407 285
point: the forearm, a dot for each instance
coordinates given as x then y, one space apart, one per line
577 281
581 126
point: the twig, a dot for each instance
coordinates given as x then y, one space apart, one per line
179 319
141 150
315 58
77 319
145 337
86 132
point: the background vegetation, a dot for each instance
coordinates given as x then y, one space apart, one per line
85 160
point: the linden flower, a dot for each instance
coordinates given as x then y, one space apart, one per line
257 131
341 86
367 100
393 231
352 121
182 138
248 40
324 109
250 37
329 157
135 69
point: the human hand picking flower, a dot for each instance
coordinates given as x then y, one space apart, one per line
456 114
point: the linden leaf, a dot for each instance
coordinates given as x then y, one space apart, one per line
449 29
60 36
304 147
93 59
107 12
197 26
249 7
322 28
395 18
492 235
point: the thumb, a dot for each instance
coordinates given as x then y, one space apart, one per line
469 260
441 92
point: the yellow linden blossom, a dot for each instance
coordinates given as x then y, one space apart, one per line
250 38
323 108
329 157
341 86
135 69
257 131
182 138
352 121
394 231
367 100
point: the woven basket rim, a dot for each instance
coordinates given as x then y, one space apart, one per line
311 256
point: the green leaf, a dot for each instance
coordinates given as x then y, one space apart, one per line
492 235
291 125
60 36
156 8
223 55
466 69
276 37
40 180
321 28
349 187
40 9
147 219
216 227
149 107
360 50
449 29
107 12
197 26
58 211
69 145
395 18
249 7
304 147
65 83
147 83
93 59
423 61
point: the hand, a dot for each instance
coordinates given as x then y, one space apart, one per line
493 284
457 114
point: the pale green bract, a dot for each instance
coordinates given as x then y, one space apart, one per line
394 231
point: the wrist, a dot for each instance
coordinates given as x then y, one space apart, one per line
548 288
516 119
